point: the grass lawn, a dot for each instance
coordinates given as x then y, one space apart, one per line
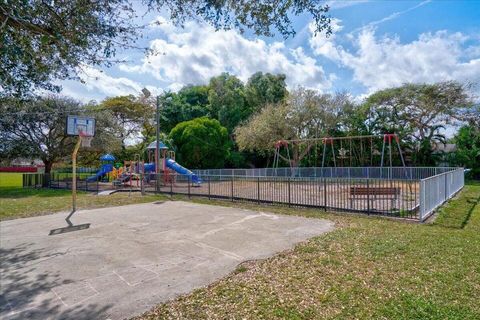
20 203
368 268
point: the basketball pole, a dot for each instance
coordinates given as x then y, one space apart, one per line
74 179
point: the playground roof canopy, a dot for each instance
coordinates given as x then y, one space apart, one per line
107 157
153 145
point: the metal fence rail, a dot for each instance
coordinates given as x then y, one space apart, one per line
412 193
436 190
408 173
395 198
33 180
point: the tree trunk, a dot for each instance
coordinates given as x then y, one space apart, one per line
48 165
48 168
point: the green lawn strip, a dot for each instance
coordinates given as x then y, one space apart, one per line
20 203
367 268
457 211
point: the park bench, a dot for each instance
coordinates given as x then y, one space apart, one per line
374 193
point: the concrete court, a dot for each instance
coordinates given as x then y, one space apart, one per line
132 257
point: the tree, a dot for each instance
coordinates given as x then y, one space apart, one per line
467 154
418 113
200 143
227 101
305 114
189 103
262 89
130 114
36 129
47 40
44 40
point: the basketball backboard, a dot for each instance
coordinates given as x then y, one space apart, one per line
75 124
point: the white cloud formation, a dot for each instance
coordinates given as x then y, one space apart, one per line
340 4
323 45
97 80
196 53
95 84
386 62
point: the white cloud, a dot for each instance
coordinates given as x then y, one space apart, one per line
323 45
196 53
391 16
95 84
380 63
339 4
97 80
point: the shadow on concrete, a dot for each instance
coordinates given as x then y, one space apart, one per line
25 294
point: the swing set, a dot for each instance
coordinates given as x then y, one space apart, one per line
352 151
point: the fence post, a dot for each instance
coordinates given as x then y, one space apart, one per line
208 187
446 196
232 187
325 193
258 190
289 195
368 196
422 200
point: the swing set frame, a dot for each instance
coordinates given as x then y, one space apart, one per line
387 143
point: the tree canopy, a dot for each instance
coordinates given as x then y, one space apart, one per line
200 143
188 103
418 113
130 114
467 155
265 88
305 114
47 40
36 129
227 102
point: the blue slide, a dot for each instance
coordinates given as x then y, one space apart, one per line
104 169
150 167
178 168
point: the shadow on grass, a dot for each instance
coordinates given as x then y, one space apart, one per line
457 212
13 193
475 202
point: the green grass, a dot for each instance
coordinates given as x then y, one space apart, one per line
368 268
456 212
20 203
11 179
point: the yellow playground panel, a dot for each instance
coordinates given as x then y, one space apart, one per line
11 179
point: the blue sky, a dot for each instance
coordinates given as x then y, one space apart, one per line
375 45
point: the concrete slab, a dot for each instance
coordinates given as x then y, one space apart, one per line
132 257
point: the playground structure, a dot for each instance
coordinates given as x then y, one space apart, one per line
135 173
